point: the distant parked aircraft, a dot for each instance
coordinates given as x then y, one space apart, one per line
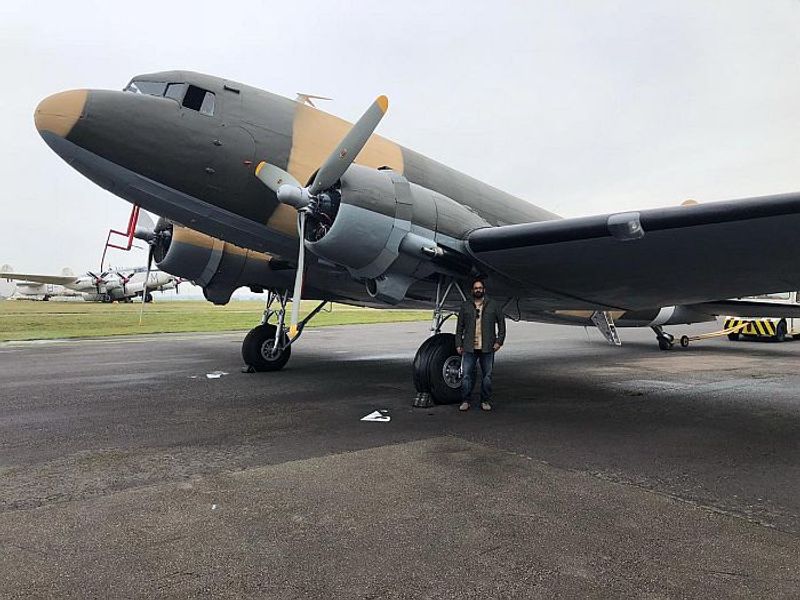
108 286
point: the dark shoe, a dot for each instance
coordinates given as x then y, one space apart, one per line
486 406
464 406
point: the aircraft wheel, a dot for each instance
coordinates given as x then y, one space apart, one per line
148 297
444 369
256 349
420 366
780 332
664 344
734 337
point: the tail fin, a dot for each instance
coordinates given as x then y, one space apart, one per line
7 288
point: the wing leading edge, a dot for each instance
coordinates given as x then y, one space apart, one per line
52 279
657 257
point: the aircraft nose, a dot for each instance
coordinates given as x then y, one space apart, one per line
59 113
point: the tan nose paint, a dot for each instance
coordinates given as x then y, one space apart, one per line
59 113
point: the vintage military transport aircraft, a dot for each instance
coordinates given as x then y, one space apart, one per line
262 191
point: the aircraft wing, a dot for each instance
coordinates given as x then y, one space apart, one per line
54 279
658 257
750 308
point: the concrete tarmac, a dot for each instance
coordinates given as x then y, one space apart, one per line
125 471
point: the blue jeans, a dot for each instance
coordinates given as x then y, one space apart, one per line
470 361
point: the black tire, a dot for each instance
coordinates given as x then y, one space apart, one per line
420 366
148 297
781 331
256 345
684 341
442 356
734 337
664 344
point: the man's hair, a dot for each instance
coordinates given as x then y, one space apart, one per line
478 280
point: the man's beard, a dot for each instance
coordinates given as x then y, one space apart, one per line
478 295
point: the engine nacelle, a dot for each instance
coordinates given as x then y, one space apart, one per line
388 232
218 266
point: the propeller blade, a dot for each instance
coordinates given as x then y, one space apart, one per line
146 279
274 177
145 228
347 150
298 278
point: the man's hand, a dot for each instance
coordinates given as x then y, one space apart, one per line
460 351
497 346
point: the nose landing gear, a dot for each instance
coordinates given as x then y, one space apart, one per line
437 365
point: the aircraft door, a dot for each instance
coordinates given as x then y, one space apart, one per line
232 151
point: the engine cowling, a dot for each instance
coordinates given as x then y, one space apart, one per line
387 231
218 266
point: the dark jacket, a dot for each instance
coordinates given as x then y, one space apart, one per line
491 315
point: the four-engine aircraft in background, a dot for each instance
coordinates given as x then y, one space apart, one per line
258 190
108 286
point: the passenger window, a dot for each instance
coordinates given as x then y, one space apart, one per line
199 99
175 91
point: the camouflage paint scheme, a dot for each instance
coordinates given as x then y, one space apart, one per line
198 170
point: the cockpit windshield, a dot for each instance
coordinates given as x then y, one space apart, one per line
151 88
187 95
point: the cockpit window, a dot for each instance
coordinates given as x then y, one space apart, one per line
199 99
175 91
188 96
151 88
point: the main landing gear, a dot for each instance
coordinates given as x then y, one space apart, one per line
437 365
665 340
268 346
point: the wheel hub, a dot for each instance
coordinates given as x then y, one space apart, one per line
268 351
451 372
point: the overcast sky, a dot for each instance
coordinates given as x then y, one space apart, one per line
580 107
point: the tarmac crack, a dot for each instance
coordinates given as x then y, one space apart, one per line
628 483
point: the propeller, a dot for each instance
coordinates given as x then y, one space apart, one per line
124 279
304 199
151 233
146 280
98 280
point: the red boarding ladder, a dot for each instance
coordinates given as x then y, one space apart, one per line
127 234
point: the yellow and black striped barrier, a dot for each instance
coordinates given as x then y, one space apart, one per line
759 327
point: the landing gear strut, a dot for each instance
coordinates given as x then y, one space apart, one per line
665 340
437 365
268 347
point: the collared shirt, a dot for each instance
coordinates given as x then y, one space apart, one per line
478 342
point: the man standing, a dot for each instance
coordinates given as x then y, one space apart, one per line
477 340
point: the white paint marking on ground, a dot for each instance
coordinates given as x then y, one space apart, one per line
378 416
215 374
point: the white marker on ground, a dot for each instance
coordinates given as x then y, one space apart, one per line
380 416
